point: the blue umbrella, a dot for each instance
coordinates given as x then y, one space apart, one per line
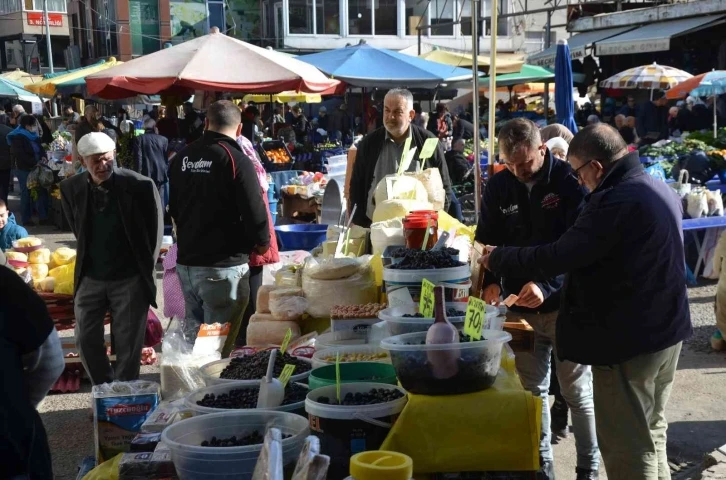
563 87
367 66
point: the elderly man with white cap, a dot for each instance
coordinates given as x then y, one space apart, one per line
116 217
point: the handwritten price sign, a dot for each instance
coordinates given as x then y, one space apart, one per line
474 321
286 374
426 302
286 340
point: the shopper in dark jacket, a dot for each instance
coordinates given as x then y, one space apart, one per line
5 162
27 152
652 119
463 128
221 218
379 154
457 164
625 306
533 202
150 157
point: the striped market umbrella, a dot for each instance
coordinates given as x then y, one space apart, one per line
703 85
651 77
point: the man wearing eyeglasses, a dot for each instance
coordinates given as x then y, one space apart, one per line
533 202
625 305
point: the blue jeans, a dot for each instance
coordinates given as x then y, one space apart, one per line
27 203
575 384
214 295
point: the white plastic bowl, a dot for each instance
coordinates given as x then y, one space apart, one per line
319 359
211 371
194 462
399 325
190 401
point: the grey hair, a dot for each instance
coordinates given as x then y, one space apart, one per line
519 133
404 93
18 109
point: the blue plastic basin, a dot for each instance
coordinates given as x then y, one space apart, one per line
300 237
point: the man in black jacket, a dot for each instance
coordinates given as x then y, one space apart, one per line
652 119
221 218
116 217
625 306
533 202
463 129
5 163
379 154
150 157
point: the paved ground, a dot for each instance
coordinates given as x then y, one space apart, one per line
696 412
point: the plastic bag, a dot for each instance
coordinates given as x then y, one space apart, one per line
33 180
697 203
154 331
310 464
288 309
358 288
45 176
64 273
385 234
269 463
108 470
434 185
63 256
179 368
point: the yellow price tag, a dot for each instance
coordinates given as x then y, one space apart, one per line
474 321
286 340
426 302
286 374
403 165
337 376
428 149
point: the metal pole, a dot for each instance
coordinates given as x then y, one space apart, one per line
475 104
492 86
548 32
50 51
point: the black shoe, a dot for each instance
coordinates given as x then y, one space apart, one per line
585 474
558 424
546 471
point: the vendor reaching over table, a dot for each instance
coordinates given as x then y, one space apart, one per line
624 305
379 154
533 202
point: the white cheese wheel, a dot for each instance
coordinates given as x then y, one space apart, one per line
42 255
263 298
270 333
389 209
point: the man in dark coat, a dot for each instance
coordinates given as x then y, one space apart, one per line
150 157
463 128
457 163
379 154
5 163
652 119
116 216
625 307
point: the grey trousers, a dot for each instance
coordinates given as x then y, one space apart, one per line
126 300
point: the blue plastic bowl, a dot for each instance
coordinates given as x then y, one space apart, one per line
301 237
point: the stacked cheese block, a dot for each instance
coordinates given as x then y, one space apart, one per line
49 272
278 309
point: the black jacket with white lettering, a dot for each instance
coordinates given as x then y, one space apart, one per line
514 217
216 202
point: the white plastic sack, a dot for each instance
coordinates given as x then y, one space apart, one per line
358 288
385 234
697 203
400 187
434 185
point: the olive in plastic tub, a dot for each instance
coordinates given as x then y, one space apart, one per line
456 279
397 324
190 401
478 363
211 372
352 353
345 430
194 462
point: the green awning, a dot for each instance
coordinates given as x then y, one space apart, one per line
528 74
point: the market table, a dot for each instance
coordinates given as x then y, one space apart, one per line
714 184
692 225
495 430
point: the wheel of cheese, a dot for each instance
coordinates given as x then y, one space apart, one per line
285 292
38 270
42 255
18 256
261 317
270 333
335 269
263 298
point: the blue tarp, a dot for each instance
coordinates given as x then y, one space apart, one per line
563 87
368 66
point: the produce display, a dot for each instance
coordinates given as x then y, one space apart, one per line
247 397
278 155
357 357
254 438
368 310
412 259
254 367
374 396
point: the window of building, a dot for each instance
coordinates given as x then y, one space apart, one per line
386 21
466 18
442 11
502 23
9 6
216 16
327 17
416 15
537 39
53 5
300 16
144 26
360 17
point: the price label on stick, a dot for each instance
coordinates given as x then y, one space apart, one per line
428 149
426 302
474 321
337 376
405 162
286 374
286 340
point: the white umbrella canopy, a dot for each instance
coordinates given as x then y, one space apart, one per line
213 62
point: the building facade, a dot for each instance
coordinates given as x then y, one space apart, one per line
22 34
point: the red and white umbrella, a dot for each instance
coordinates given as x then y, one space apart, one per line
214 62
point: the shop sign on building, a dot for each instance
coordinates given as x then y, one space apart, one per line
36 19
627 48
